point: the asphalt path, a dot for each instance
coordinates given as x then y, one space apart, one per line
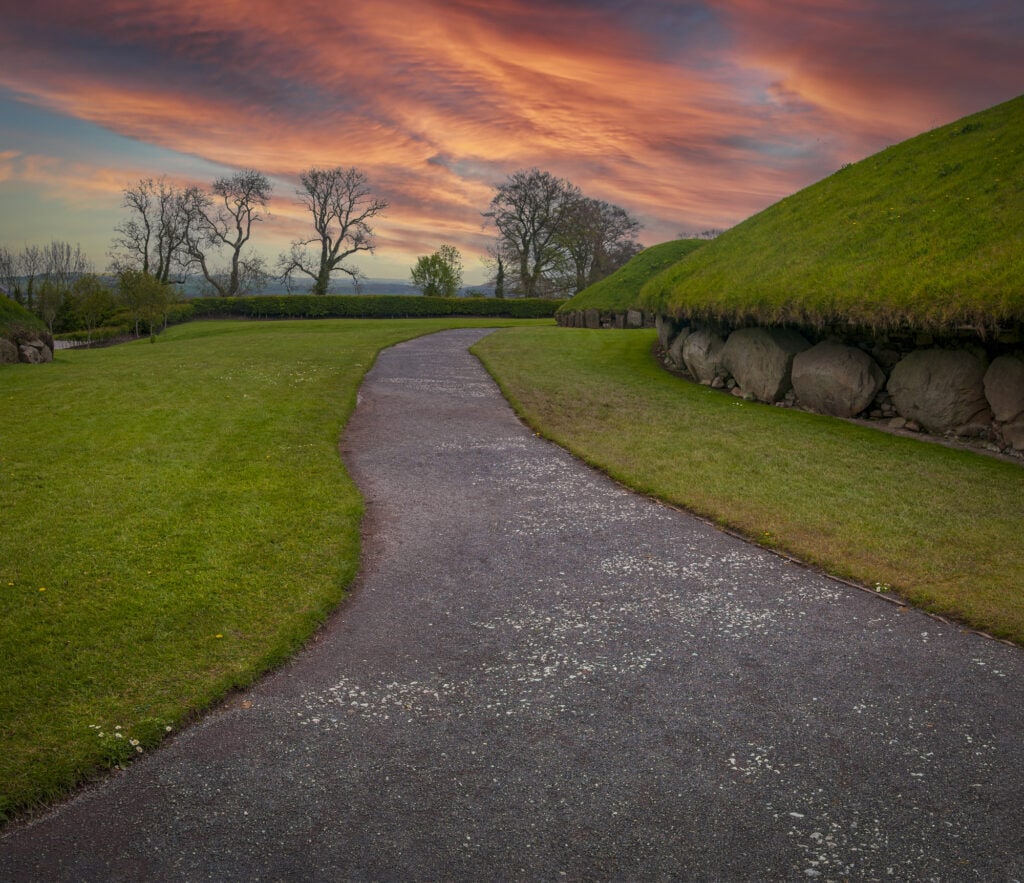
542 676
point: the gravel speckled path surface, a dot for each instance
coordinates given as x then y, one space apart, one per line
542 676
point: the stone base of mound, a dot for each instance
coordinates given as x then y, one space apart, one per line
959 385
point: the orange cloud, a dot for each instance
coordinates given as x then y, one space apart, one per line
689 115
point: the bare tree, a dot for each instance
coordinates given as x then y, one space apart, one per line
598 238
10 274
342 206
62 264
30 267
154 239
226 220
528 210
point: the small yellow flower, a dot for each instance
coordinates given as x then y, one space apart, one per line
42 588
218 636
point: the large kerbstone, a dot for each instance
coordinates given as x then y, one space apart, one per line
1004 387
835 379
760 359
668 328
592 318
674 351
940 389
702 355
634 319
8 352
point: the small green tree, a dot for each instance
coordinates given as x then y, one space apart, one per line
93 302
439 274
146 298
49 301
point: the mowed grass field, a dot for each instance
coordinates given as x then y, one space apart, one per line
941 527
174 519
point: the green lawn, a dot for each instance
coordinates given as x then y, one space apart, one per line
941 527
175 519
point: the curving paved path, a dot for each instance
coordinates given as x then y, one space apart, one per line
542 676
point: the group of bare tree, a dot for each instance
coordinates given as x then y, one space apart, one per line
552 239
172 231
29 274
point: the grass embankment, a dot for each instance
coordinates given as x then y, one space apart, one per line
621 290
941 527
929 232
15 318
175 519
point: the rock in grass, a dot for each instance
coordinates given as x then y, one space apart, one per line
941 389
834 379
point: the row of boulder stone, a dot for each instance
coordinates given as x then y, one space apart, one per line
957 390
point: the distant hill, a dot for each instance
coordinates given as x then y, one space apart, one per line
929 233
621 290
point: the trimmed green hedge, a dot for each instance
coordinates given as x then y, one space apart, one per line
311 306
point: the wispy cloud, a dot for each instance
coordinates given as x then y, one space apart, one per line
689 114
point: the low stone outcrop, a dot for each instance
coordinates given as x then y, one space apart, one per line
702 355
835 379
35 351
941 389
8 352
761 359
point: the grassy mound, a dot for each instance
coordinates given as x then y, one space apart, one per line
928 233
17 323
620 291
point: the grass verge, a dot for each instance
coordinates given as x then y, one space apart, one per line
941 527
175 520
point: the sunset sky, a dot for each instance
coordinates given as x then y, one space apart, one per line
691 115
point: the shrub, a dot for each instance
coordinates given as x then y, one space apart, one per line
298 306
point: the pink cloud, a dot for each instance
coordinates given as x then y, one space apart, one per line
699 125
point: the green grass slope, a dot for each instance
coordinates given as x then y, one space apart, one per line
620 290
14 317
929 232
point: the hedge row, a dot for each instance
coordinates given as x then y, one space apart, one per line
299 306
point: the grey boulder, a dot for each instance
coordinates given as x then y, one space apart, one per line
941 389
834 379
761 359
